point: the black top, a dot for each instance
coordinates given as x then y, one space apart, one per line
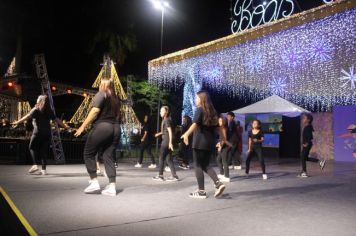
103 102
308 134
231 132
147 128
41 121
257 136
204 136
166 123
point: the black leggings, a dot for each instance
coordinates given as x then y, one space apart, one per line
146 146
105 137
39 145
201 160
255 151
166 154
234 156
184 153
222 162
305 157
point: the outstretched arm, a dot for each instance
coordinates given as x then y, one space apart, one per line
26 117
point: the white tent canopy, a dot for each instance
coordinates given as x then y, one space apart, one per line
274 105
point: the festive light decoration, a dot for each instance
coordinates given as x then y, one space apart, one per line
309 53
129 121
278 86
245 16
349 77
328 1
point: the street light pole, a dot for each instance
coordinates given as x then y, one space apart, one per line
161 53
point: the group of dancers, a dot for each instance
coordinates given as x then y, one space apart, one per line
198 136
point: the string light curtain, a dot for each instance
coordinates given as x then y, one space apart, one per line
310 64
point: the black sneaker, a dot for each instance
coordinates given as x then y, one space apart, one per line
172 179
158 178
198 194
322 164
302 175
219 189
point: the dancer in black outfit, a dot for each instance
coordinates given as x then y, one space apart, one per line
203 128
185 151
307 145
104 136
223 147
41 115
255 140
146 144
234 157
165 152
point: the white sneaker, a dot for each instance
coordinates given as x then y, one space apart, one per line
43 172
152 166
220 176
109 190
33 169
225 179
138 165
167 169
98 172
231 167
237 167
264 176
93 187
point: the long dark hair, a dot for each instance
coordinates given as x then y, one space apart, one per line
166 108
107 86
258 122
210 116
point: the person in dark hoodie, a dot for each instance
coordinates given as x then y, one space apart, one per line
307 141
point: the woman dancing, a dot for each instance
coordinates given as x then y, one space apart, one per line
165 152
203 128
104 136
255 140
223 147
307 145
146 143
41 116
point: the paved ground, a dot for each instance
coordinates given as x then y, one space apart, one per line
324 204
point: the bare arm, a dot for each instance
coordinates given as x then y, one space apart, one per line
170 145
249 144
26 117
90 118
186 135
60 123
144 136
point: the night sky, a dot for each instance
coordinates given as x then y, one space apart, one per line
64 29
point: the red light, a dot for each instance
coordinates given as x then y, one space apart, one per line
10 84
54 88
69 91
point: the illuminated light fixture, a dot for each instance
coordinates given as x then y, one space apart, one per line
54 88
160 5
264 3
10 84
85 95
69 91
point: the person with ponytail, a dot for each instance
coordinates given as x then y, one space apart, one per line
104 136
204 125
41 116
165 151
